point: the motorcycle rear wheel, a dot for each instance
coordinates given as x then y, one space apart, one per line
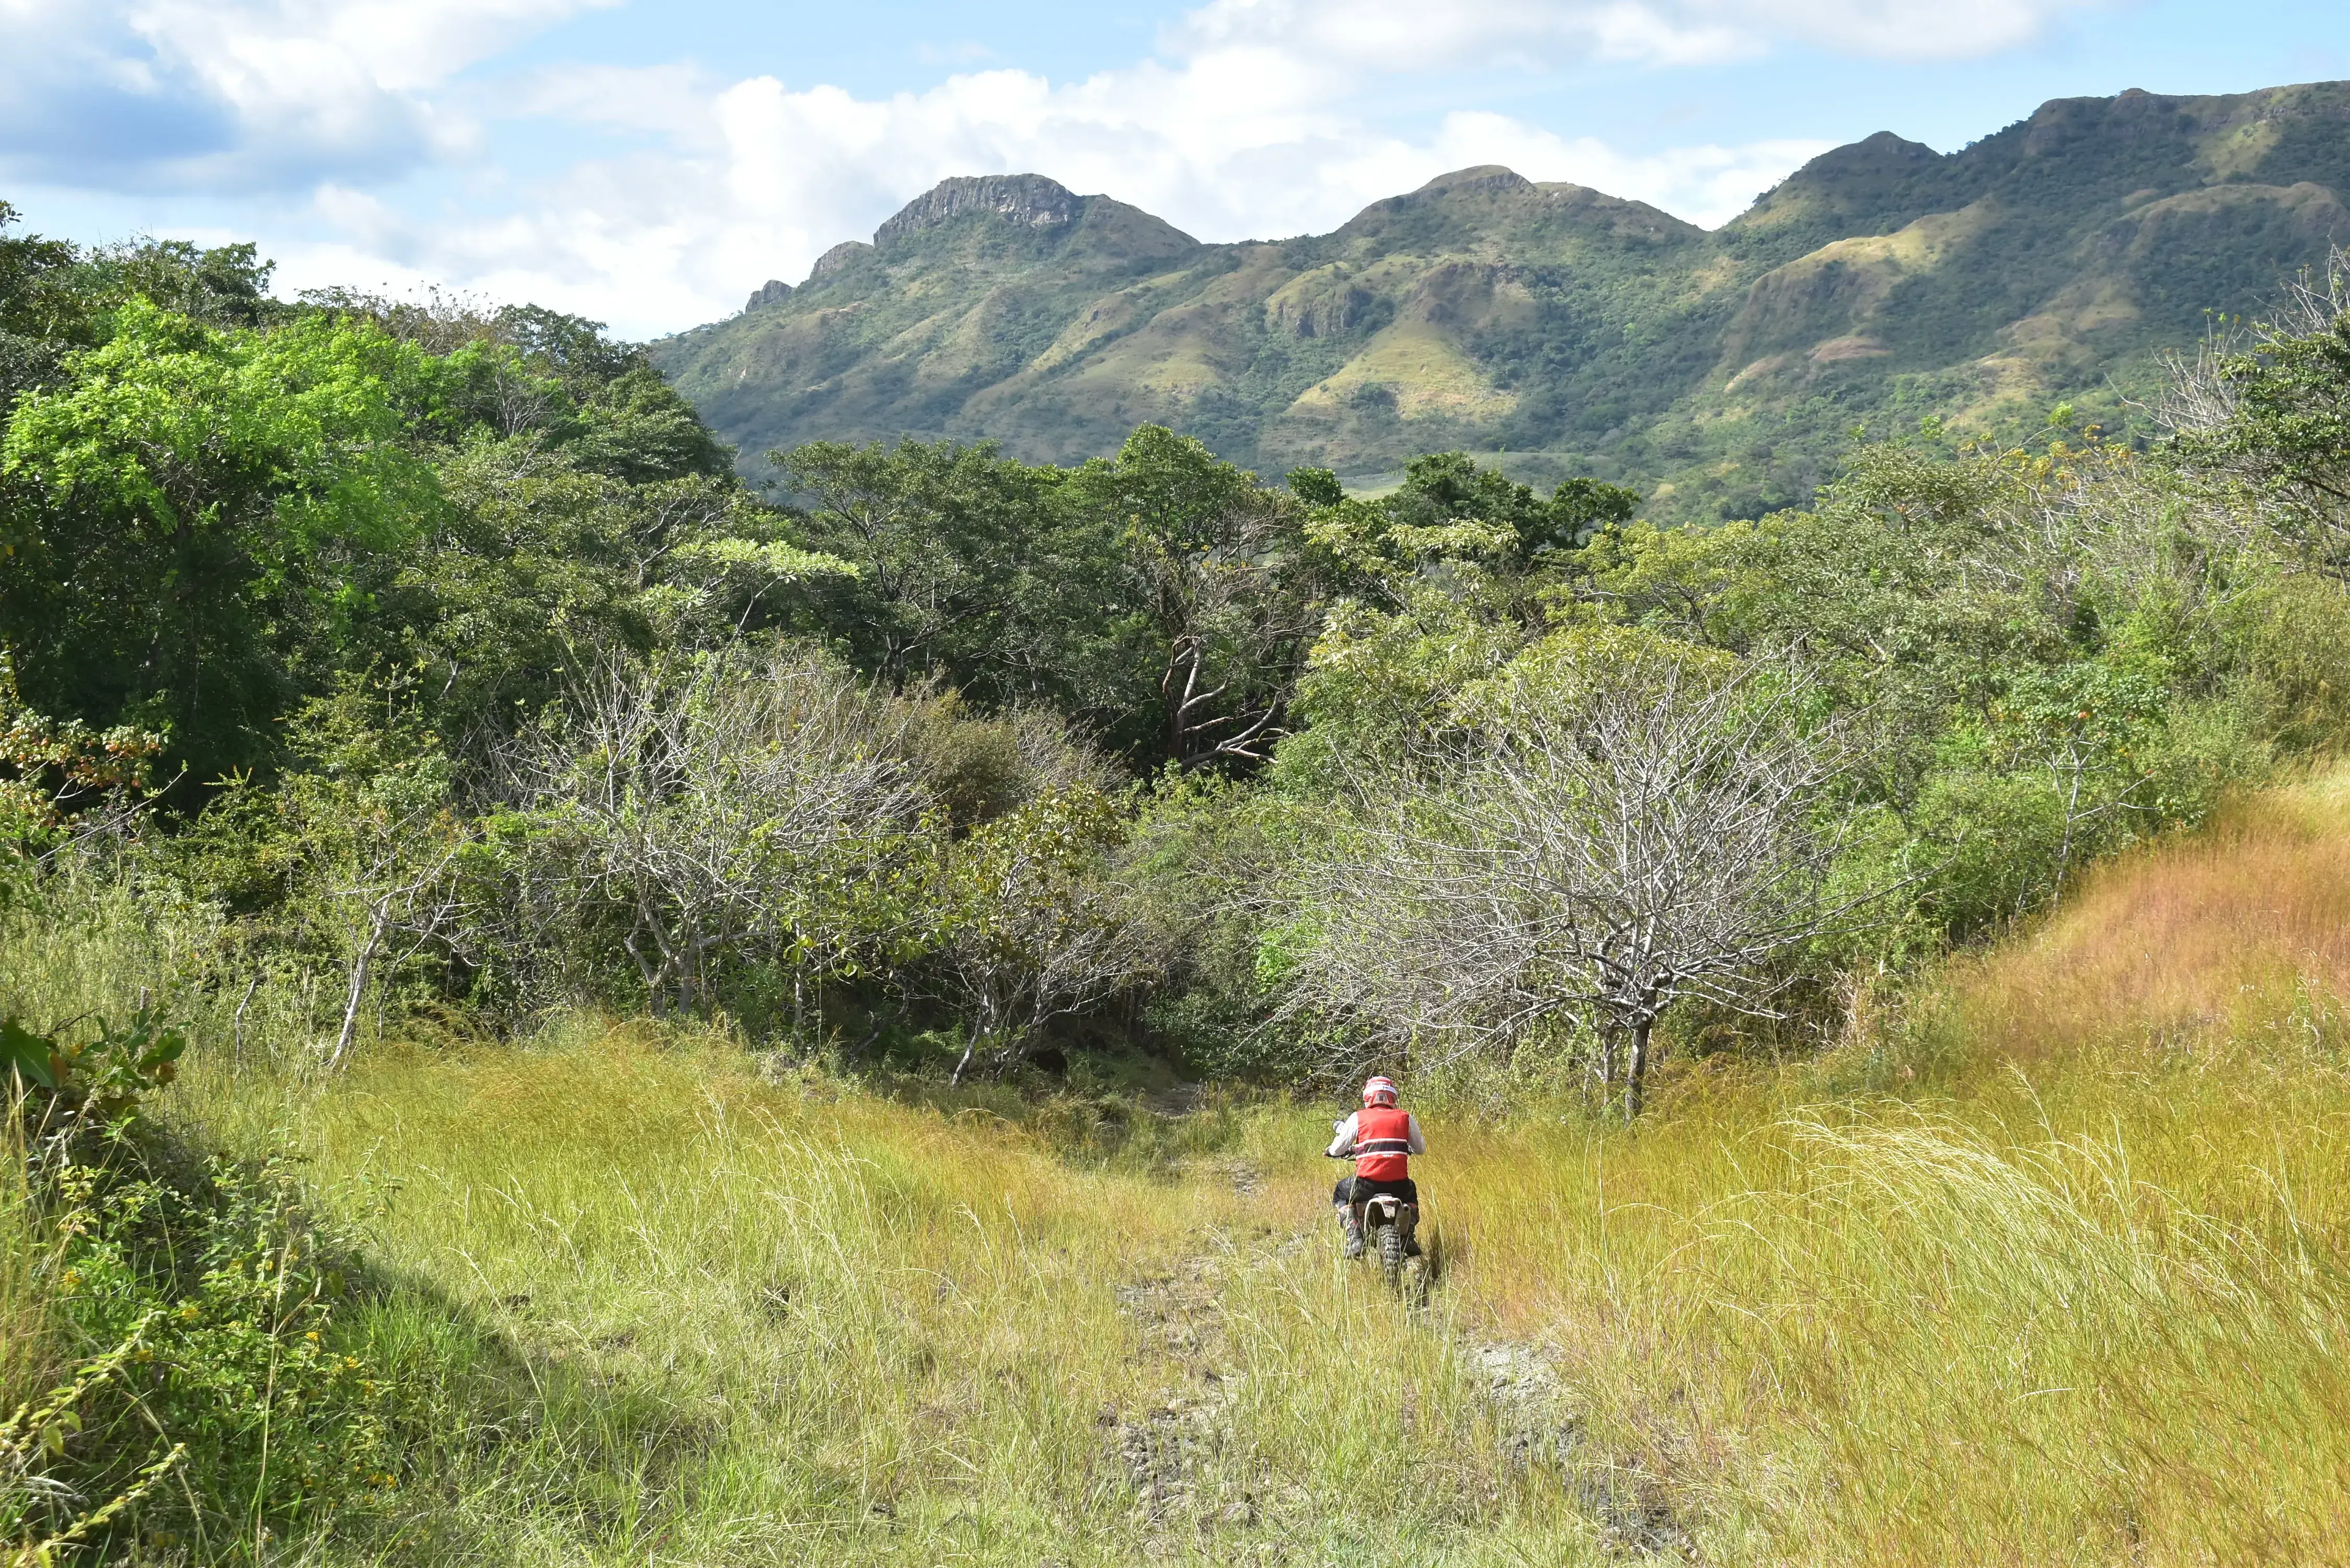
1391 1254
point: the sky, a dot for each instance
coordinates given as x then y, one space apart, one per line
648 162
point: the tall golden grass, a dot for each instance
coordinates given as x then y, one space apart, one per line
2075 1294
755 1321
2237 937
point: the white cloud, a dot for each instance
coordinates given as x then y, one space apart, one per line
752 180
1412 34
242 94
1255 118
1709 185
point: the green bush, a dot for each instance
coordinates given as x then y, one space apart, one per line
225 1293
197 1302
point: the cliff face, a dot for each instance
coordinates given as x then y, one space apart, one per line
1571 330
1023 198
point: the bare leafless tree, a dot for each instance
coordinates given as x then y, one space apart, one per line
719 807
2261 410
1662 832
394 888
2203 390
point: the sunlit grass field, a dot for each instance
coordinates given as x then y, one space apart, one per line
2045 1267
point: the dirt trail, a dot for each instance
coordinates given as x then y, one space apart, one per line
1174 1451
1541 1426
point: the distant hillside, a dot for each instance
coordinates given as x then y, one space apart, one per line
1570 330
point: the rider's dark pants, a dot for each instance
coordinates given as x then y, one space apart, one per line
1360 1188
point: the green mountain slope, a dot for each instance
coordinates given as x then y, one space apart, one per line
1567 329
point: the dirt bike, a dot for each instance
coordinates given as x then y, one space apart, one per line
1390 1226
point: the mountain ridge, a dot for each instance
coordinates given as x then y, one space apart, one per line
1557 327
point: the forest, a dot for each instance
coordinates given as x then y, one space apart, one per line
391 691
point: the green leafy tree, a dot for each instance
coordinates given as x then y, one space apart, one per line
1026 925
2272 415
942 539
1216 600
55 297
190 503
538 568
1450 487
36 304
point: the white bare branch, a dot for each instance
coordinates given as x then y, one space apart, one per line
719 807
1665 833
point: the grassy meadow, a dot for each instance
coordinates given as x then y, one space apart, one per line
2044 1265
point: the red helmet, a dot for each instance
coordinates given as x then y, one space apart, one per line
1380 1091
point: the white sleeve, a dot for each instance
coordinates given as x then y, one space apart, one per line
1419 1144
1345 1141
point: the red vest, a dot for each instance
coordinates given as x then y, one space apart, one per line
1383 1143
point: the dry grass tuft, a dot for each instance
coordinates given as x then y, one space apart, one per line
2190 943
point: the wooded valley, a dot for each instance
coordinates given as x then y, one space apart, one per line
561 1005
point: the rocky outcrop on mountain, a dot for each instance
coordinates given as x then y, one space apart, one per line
839 256
1026 199
774 291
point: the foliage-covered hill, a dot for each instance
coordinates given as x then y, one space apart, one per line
384 686
1573 331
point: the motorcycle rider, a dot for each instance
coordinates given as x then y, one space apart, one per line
1381 1139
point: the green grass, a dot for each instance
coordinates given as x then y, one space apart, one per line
2010 1277
750 1321
24 1338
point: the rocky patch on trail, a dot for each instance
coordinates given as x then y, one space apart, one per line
1176 1452
1168 1448
1541 1428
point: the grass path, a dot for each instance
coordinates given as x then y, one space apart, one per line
749 1315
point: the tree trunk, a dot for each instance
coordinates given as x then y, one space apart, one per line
1635 1073
988 1013
657 976
1174 697
379 918
882 1019
238 1056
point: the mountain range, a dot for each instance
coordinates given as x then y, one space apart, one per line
1557 328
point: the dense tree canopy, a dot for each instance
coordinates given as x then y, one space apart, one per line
458 664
